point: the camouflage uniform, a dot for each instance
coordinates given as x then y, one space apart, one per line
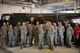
52 37
23 35
69 35
16 35
45 27
36 34
49 35
11 37
55 35
61 37
41 37
4 36
19 35
27 41
31 34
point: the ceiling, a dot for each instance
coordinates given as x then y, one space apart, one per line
46 4
63 5
35 1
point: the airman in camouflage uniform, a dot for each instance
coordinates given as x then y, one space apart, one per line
69 35
36 33
27 41
45 27
4 34
23 34
16 33
11 36
31 34
31 31
50 36
41 36
61 31
19 33
55 34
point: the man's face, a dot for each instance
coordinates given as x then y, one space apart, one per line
23 24
37 23
50 23
27 22
4 24
54 24
68 25
47 22
32 19
7 23
10 26
44 21
60 24
76 24
41 25
19 23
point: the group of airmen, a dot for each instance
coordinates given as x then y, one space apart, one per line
26 33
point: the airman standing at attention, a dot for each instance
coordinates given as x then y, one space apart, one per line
55 34
19 33
36 33
69 35
50 36
31 33
27 25
41 36
61 31
23 35
16 33
65 26
11 36
45 34
4 34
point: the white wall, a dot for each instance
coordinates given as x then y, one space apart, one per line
38 10
19 9
13 9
